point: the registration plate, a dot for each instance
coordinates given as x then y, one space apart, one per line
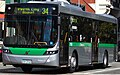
26 61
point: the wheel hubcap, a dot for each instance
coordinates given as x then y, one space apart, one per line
73 62
105 61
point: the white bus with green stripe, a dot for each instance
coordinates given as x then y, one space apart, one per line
56 34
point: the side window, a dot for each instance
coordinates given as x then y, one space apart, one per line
86 29
74 29
81 29
107 32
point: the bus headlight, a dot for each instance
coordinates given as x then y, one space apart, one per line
51 52
7 51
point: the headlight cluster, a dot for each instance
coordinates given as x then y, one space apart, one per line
51 52
7 51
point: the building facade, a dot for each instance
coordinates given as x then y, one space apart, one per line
95 6
2 11
85 3
116 8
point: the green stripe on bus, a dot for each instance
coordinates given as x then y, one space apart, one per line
28 51
84 44
103 45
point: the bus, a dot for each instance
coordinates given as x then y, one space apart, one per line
57 34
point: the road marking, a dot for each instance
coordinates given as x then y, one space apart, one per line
98 71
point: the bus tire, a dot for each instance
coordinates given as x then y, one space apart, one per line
73 63
105 59
26 69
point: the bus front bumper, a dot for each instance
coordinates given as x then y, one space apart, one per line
45 60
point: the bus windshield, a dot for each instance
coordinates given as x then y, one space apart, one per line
31 30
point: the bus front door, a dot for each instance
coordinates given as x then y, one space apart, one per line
64 40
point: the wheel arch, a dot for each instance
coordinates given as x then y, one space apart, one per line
76 67
71 53
76 53
105 56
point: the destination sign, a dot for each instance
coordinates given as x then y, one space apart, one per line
27 10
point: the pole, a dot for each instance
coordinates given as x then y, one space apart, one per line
78 2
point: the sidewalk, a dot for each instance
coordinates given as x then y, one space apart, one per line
115 64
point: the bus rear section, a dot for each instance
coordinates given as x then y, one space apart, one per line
90 41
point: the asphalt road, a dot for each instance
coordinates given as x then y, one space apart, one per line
113 68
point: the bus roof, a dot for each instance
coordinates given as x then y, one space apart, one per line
70 9
67 8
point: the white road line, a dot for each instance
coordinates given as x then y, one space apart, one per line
98 71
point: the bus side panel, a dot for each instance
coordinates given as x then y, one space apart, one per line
84 54
110 54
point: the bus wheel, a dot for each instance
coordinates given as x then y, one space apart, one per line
26 69
105 59
73 63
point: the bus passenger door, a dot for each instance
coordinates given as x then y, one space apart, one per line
95 43
64 40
